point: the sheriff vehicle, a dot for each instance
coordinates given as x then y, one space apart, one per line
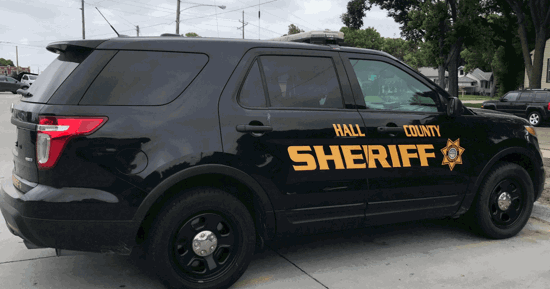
194 150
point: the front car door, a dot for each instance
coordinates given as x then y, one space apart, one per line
285 127
416 153
506 102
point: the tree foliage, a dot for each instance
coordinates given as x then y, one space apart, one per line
353 18
191 34
6 62
293 29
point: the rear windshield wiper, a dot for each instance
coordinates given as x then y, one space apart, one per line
24 93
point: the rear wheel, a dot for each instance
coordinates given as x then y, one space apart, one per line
504 202
534 118
204 239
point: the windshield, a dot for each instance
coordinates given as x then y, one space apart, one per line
54 75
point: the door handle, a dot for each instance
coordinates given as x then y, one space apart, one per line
254 128
385 129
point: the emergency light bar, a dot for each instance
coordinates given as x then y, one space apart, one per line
314 37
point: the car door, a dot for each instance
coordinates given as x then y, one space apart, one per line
12 84
415 151
519 107
293 127
506 102
4 85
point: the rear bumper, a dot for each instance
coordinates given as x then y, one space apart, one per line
79 235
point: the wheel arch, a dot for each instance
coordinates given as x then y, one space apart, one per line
234 181
518 155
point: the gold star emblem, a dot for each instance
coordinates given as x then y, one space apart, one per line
452 153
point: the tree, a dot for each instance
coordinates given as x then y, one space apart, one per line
443 26
293 29
353 18
364 38
191 34
6 62
539 13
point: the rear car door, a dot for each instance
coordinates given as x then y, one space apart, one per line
415 152
285 127
519 107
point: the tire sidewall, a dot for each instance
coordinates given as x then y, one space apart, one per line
193 203
482 214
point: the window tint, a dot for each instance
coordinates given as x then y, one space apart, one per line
11 80
512 96
548 70
144 78
298 81
252 93
541 96
526 96
387 87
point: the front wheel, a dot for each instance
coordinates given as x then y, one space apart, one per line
534 118
203 239
504 202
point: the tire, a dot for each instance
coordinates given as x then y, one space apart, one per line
203 210
14 92
534 118
496 221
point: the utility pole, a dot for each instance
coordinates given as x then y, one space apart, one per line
178 19
244 24
17 59
83 27
259 5
137 30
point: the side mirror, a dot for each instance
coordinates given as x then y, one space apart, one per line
503 100
454 107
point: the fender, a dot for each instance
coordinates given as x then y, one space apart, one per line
537 108
472 190
262 203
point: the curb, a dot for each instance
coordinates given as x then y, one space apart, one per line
541 211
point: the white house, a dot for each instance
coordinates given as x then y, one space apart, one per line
475 82
545 77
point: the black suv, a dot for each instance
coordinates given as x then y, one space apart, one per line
531 104
196 150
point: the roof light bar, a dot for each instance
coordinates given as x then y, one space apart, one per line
314 37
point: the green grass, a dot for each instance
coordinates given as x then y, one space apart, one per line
474 105
474 97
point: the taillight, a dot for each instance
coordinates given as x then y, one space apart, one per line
549 106
55 131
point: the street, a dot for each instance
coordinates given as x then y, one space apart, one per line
427 254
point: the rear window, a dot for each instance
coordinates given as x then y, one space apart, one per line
54 75
144 78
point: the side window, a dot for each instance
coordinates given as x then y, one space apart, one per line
301 81
526 96
386 87
512 96
252 93
25 77
144 78
548 70
11 80
541 96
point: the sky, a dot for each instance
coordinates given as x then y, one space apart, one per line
32 24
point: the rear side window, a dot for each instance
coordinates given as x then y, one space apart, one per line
542 96
144 78
252 94
526 96
54 75
302 82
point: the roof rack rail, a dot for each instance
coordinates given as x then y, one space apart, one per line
170 35
314 37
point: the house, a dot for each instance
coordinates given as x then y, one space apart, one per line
545 77
475 82
433 75
12 70
483 81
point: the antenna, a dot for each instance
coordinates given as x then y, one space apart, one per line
108 22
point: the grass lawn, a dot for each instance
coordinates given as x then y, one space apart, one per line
474 105
474 97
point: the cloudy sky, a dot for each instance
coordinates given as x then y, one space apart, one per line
31 25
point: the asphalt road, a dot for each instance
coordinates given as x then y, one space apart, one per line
428 254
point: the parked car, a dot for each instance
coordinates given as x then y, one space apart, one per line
28 79
10 84
196 150
531 104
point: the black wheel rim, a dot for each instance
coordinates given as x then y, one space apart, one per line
503 218
197 268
